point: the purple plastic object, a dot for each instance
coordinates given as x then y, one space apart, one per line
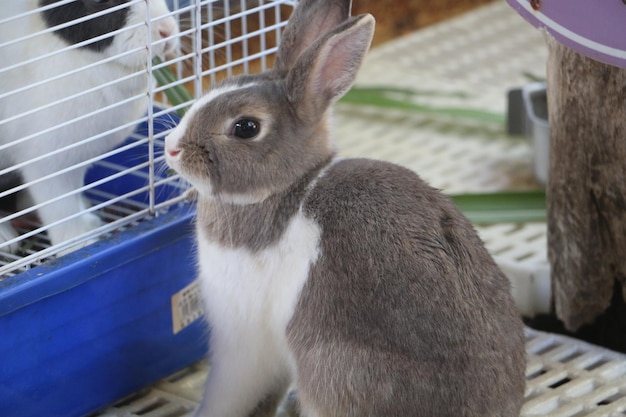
593 28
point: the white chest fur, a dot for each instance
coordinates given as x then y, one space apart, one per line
250 298
256 293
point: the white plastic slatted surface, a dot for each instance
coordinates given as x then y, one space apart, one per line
565 378
218 38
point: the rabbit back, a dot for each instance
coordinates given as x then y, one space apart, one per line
404 311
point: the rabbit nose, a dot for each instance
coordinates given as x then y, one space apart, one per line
165 33
167 27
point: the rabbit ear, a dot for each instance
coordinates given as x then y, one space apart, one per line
325 71
310 20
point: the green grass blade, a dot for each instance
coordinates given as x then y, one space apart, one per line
384 97
176 94
503 207
407 92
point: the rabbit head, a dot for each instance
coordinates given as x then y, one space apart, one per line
113 27
253 136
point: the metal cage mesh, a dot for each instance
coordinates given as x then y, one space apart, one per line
130 182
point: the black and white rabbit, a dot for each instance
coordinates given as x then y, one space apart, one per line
351 279
54 78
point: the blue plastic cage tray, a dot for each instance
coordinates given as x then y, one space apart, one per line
91 327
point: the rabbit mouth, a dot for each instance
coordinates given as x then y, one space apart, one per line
172 158
170 47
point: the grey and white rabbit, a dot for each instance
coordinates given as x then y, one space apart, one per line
350 279
50 83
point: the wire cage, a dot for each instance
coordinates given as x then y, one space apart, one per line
96 239
79 110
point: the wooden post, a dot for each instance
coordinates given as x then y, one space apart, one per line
587 184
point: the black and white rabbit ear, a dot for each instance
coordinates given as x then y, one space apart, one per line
327 69
310 20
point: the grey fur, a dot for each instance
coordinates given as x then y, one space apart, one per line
404 313
254 226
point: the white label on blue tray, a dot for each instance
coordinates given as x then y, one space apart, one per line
596 29
187 306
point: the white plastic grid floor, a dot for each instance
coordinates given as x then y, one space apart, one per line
565 378
481 54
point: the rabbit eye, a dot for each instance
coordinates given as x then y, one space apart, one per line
246 128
